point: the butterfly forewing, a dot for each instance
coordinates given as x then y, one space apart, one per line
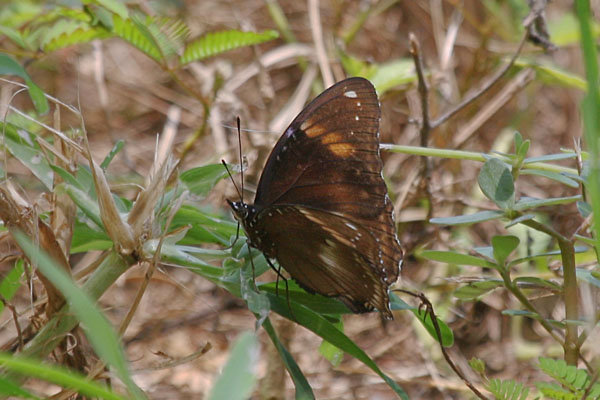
321 206
329 155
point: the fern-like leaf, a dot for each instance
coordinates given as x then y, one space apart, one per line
169 34
158 37
219 42
16 37
69 32
574 380
555 392
137 34
568 375
507 390
15 14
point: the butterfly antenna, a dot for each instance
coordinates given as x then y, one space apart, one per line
232 180
237 120
237 231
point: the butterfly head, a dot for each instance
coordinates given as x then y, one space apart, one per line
241 211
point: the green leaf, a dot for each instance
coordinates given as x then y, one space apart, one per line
206 227
303 389
326 330
89 207
66 176
8 66
396 303
518 138
424 317
521 146
97 328
452 257
11 283
584 208
16 36
475 290
384 76
201 180
477 365
215 43
316 302
552 74
496 182
527 282
332 353
503 246
65 33
526 203
168 34
554 391
522 218
550 157
565 180
54 374
571 377
578 249
239 374
28 152
591 277
115 6
86 238
537 317
8 388
485 251
468 219
392 74
257 301
136 33
118 146
507 389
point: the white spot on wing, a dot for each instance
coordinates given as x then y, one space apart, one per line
356 117
351 94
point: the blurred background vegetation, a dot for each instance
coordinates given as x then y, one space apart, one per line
140 241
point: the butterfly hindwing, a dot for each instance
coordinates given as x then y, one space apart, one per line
328 254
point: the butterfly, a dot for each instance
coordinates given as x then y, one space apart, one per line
321 207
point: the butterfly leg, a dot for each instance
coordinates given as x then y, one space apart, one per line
252 264
279 275
287 289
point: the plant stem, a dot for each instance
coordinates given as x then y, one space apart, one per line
64 321
514 289
471 156
571 299
570 294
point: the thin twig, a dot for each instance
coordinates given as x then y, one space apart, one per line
423 88
521 80
478 93
429 310
317 34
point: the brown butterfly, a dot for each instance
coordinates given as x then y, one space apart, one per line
321 207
